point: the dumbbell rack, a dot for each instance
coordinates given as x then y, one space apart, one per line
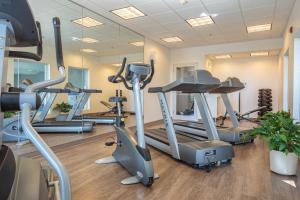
264 100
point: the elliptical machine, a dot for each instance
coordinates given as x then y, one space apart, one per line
23 178
132 153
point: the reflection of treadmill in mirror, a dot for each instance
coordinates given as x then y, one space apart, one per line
42 126
75 113
234 134
192 149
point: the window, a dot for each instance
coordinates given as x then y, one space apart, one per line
34 71
79 77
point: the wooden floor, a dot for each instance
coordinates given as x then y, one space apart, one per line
248 177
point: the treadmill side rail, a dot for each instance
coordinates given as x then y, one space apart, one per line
169 125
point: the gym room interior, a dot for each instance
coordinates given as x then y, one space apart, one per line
150 99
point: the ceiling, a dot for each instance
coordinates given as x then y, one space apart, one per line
113 38
166 18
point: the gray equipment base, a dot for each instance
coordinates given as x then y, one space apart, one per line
30 182
134 162
196 152
228 134
127 181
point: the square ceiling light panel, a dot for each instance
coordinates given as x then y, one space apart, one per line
172 39
138 44
200 21
259 28
86 40
262 53
128 13
87 22
226 56
88 50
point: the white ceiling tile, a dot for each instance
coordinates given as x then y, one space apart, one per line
151 7
175 4
249 4
166 18
227 18
111 4
192 12
221 6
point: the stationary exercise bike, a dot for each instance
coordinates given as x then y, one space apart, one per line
132 153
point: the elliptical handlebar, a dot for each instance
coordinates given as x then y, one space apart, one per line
28 55
34 137
58 44
149 79
114 78
59 61
118 78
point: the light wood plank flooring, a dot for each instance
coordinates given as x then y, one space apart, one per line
247 178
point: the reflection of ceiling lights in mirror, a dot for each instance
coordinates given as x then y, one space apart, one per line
87 22
86 40
263 53
88 50
128 13
200 21
226 56
259 28
117 65
138 44
172 39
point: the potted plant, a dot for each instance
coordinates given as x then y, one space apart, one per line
62 109
283 138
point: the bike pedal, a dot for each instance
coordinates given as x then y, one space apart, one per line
109 143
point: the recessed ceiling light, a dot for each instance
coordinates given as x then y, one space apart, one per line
259 28
138 44
117 64
263 53
88 50
87 22
226 56
200 21
86 40
172 39
89 40
128 13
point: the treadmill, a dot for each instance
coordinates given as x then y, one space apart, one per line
235 134
192 149
75 113
42 126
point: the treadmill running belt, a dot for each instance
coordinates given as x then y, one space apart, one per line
60 124
161 135
195 125
93 117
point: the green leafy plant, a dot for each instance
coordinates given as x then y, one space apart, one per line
9 114
280 132
62 107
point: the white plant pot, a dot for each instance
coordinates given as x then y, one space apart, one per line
284 164
61 117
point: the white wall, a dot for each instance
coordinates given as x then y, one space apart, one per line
199 55
256 73
291 46
162 75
